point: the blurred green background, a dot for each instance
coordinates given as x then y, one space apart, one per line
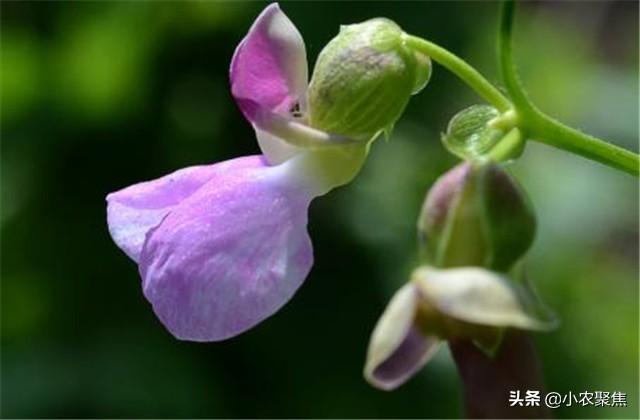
99 95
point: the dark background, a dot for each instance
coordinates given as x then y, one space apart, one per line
100 95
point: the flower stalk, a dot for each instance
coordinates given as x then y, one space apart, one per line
542 127
487 381
462 69
534 123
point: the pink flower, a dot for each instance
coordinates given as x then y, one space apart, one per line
222 247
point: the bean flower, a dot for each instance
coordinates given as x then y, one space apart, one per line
222 247
453 304
476 226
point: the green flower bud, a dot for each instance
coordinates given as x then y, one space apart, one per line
476 215
481 131
363 79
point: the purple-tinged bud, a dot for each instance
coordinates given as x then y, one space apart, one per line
476 215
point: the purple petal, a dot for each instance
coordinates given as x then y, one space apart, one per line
441 197
229 256
398 348
133 211
411 355
269 67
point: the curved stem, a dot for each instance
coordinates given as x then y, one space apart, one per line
545 129
507 68
462 69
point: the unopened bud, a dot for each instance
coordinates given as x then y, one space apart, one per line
363 79
476 215
481 131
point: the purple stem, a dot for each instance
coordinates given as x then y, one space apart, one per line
487 382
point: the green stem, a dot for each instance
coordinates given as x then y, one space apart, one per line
461 69
549 131
509 147
545 129
507 68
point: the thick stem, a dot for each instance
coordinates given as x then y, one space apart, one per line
507 67
545 129
462 69
509 147
487 382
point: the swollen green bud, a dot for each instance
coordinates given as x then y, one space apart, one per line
363 79
476 215
481 131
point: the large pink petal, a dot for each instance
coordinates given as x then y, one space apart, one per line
229 256
133 211
269 67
